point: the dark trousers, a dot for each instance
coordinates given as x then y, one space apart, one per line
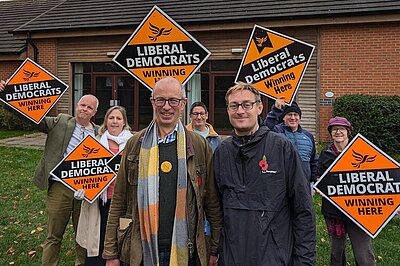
360 243
164 258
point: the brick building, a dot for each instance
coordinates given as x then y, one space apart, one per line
357 49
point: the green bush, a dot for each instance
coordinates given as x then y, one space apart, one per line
9 120
375 117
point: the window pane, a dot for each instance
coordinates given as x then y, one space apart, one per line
82 84
126 96
145 108
221 85
205 67
78 68
104 94
225 65
205 90
87 67
106 67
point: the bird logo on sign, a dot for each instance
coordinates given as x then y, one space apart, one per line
158 32
261 39
360 159
29 74
89 151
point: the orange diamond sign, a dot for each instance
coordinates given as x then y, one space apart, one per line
274 63
160 47
114 162
32 91
364 183
86 168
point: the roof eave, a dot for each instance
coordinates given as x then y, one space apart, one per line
123 29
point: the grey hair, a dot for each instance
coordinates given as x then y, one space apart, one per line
171 79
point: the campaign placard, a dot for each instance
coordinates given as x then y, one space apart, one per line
274 63
160 47
86 168
115 161
364 183
32 91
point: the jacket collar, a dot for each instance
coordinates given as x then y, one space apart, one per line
189 144
212 132
249 145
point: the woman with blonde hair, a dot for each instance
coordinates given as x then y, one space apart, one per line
113 134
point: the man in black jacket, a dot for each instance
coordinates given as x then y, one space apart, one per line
268 212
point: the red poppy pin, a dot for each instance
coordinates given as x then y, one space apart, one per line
263 164
199 180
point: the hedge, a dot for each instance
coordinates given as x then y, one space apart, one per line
376 117
9 120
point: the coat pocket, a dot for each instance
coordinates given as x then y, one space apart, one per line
133 169
124 235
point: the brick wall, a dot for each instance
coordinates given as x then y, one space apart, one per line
7 68
47 54
47 58
357 59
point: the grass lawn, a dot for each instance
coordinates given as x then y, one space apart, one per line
14 133
23 219
23 211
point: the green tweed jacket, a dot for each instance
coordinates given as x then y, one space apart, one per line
59 131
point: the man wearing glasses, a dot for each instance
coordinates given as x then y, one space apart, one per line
268 212
164 187
198 123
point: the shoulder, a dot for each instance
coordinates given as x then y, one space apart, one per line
279 128
65 116
327 153
279 141
195 138
135 139
59 117
307 133
61 121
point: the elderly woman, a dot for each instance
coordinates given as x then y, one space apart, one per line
339 225
113 134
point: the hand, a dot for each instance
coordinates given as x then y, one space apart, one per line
213 260
113 262
79 194
2 85
280 102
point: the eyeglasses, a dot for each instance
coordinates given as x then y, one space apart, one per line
160 102
247 106
338 129
198 113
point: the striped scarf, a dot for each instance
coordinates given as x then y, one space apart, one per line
148 199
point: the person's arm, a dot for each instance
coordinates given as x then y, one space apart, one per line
2 85
113 262
313 159
212 206
303 213
273 117
117 209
